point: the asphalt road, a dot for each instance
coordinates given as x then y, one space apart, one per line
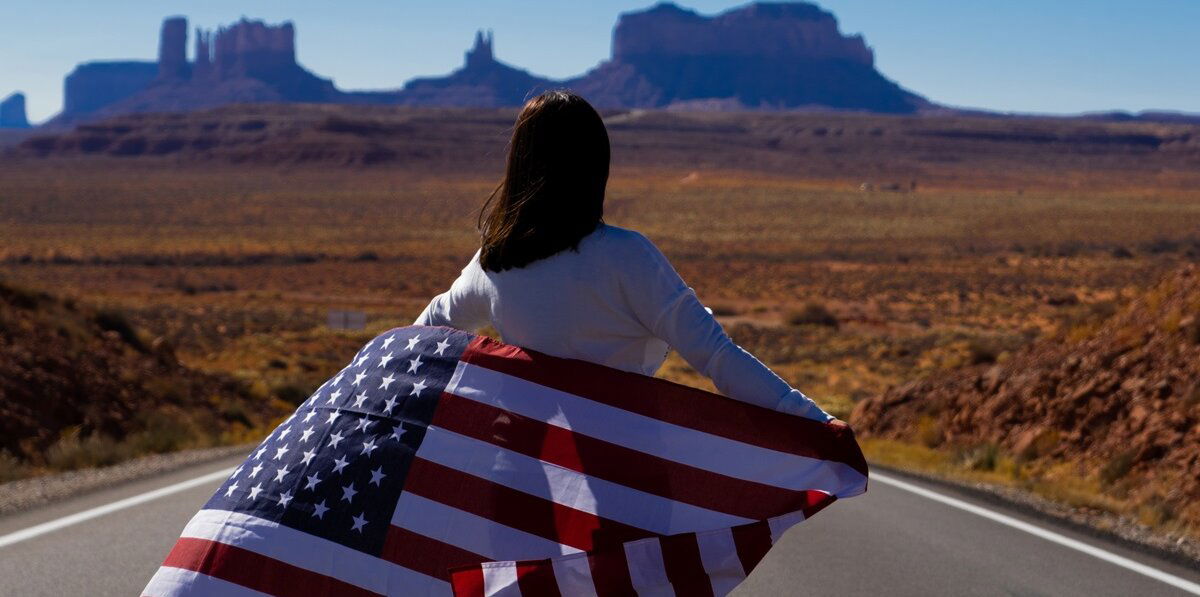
889 542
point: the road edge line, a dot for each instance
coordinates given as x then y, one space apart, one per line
78 517
1043 533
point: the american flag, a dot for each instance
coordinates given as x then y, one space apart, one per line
439 462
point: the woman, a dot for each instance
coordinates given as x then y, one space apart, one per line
552 277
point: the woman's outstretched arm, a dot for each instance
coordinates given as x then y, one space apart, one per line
671 311
462 307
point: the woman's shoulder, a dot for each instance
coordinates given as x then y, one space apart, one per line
621 238
629 248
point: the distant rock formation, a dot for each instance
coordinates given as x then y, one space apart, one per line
12 112
482 81
247 62
94 85
774 56
172 49
760 56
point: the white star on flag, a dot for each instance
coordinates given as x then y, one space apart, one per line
313 480
359 521
359 399
441 346
335 438
232 487
368 447
348 492
387 341
358 377
418 388
279 452
254 471
385 382
280 473
362 425
320 509
383 360
412 342
339 464
308 455
307 432
377 476
414 364
254 491
388 405
284 498
333 396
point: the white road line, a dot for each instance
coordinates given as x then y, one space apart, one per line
78 517
1096 552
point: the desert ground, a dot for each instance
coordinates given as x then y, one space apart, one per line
851 253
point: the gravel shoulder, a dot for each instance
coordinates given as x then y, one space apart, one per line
25 494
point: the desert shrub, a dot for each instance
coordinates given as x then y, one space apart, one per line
11 467
168 431
1154 513
813 313
1117 467
114 321
929 432
980 352
291 393
983 457
75 451
21 298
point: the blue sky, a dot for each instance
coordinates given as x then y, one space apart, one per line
1019 55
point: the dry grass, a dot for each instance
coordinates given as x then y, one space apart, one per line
237 267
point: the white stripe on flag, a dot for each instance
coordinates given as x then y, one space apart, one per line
567 487
719 554
303 550
500 580
647 571
652 436
574 576
780 524
470 532
177 582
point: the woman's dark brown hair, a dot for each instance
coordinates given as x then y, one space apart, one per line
552 194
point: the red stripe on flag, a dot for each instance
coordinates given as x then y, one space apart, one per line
665 401
426 554
254 571
752 542
537 580
516 509
467 582
685 569
611 462
610 572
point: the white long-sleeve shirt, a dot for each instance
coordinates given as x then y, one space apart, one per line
617 302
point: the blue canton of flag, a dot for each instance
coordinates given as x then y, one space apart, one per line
336 467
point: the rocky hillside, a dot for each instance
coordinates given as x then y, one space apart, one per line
1118 400
81 386
879 152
